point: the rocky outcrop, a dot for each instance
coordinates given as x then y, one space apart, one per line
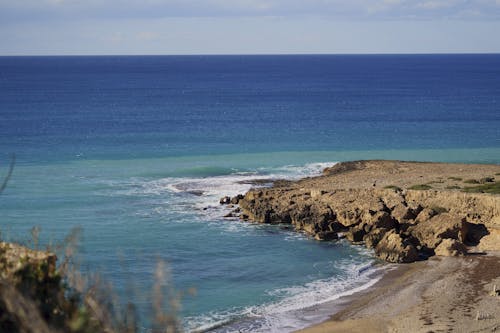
443 226
394 248
450 248
401 224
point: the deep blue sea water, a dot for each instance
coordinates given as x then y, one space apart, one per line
118 146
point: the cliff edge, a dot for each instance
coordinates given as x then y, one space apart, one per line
406 211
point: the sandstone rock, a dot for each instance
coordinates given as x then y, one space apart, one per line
349 217
355 234
315 193
425 214
403 213
450 248
326 235
393 248
490 242
373 238
236 199
335 226
431 232
382 219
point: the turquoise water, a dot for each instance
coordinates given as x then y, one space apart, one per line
124 146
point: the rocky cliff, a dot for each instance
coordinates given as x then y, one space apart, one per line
404 210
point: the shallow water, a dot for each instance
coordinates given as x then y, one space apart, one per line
138 150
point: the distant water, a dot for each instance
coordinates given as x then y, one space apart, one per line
138 150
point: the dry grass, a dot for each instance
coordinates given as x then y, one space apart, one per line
42 299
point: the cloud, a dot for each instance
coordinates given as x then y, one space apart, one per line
339 9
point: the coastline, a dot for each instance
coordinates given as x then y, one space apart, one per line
439 221
440 294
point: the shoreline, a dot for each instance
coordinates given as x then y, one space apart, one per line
411 299
439 221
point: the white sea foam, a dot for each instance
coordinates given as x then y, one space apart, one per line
201 194
297 307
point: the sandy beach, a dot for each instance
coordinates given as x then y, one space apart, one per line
442 294
438 222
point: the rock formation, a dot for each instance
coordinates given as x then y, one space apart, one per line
373 202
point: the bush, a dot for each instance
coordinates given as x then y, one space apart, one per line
455 178
420 187
393 187
492 188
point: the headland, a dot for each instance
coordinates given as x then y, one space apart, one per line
441 220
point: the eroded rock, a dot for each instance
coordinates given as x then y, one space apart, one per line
431 232
393 248
450 248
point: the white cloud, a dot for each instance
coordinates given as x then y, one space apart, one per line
339 9
435 4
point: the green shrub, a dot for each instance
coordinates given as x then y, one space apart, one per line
394 187
439 209
493 188
455 178
420 187
471 181
453 187
487 180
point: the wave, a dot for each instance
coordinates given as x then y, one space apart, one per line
297 307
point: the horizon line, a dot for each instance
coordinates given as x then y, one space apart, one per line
248 54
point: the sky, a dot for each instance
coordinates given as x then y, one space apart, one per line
138 27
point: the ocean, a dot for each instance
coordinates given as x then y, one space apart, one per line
138 150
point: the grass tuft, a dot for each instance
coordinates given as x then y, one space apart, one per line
420 187
492 188
439 209
453 187
455 178
471 181
393 187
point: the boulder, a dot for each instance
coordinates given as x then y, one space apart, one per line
372 238
355 234
326 235
403 213
491 242
431 232
450 248
425 214
225 200
382 219
349 218
393 248
236 199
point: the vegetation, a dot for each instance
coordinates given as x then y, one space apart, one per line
38 297
455 178
471 181
493 188
436 182
486 180
453 187
394 187
420 187
439 209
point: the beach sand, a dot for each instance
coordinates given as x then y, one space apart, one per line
442 294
